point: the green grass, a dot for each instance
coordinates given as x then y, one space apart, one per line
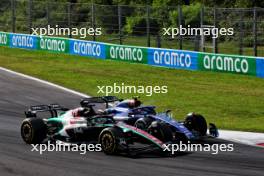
231 101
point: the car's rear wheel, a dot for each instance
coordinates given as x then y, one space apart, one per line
33 131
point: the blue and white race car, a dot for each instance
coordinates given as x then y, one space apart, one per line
160 125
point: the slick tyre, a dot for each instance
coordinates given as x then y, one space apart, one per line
161 131
33 131
197 123
143 123
109 140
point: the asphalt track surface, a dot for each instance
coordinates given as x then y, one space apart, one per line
16 158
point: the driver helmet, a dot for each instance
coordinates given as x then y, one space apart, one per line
81 112
134 103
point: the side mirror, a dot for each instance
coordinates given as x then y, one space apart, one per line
213 131
168 111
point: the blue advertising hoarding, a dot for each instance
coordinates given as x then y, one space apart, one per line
178 59
86 48
260 67
23 41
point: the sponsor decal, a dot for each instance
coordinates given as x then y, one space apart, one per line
23 41
59 45
227 63
261 144
83 48
4 40
173 58
141 132
126 53
260 67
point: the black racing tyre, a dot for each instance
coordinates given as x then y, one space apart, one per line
33 130
143 123
197 123
109 140
161 130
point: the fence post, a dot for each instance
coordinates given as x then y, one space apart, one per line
148 26
196 43
158 41
48 12
30 16
215 44
241 35
13 7
202 41
120 24
93 20
180 23
69 17
255 31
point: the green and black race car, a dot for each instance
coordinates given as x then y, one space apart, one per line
84 125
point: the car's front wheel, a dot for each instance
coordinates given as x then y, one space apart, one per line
108 139
197 123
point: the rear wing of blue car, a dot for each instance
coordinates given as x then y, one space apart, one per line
86 102
52 109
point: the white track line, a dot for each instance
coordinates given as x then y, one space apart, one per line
45 82
249 138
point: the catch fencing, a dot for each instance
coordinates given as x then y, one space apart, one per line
142 25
